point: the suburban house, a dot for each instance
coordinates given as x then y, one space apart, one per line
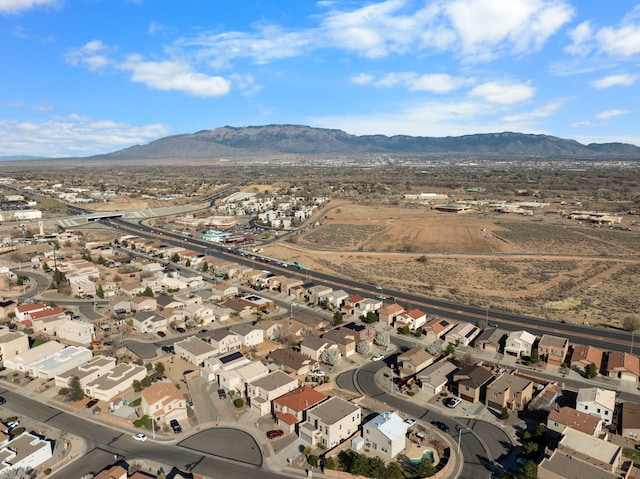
603 455
519 344
434 378
163 402
290 407
261 392
336 298
560 418
413 318
224 340
223 362
23 311
200 313
313 347
7 306
597 402
115 382
220 313
292 361
623 365
272 328
351 304
511 391
143 303
472 383
345 339
27 451
462 334
48 320
553 349
491 339
194 350
236 379
583 356
120 305
87 372
12 343
288 285
413 361
149 322
368 305
387 314
561 465
386 433
331 422
249 335
168 302
53 364
437 327
21 362
224 290
363 333
630 420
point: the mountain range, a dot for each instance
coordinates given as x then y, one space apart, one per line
274 140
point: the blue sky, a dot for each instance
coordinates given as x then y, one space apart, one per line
82 77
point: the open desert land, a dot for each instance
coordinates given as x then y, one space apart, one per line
541 266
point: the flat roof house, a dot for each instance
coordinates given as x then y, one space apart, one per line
87 372
115 382
12 343
386 433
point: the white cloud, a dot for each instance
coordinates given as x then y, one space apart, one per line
579 124
487 28
605 115
433 82
581 39
624 79
92 55
542 112
503 92
176 76
362 79
18 6
73 135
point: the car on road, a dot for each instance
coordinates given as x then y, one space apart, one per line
140 437
222 394
162 334
91 403
493 325
175 425
377 357
2 400
440 425
453 402
275 433
410 422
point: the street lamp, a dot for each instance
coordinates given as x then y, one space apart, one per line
153 427
460 435
633 332
291 316
391 380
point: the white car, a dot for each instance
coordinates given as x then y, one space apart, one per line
410 422
140 437
319 373
13 424
377 357
453 402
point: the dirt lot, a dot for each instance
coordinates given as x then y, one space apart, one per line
540 265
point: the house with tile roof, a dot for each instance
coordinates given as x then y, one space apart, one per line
163 402
583 356
560 418
414 318
437 327
387 313
623 365
290 408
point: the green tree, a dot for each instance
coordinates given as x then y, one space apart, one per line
159 367
504 415
450 349
529 448
372 317
425 468
331 463
313 460
137 385
101 260
591 371
540 431
393 471
528 471
405 329
188 263
100 292
535 356
75 389
146 382
20 281
337 318
175 258
631 323
147 292
205 267
418 332
308 450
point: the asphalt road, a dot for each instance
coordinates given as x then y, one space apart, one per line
190 456
478 462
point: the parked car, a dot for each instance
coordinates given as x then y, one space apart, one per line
92 403
140 437
168 349
181 330
275 433
440 425
377 357
175 425
2 400
410 422
222 394
13 424
319 373
162 334
453 402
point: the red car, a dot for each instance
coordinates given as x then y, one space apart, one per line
275 433
91 403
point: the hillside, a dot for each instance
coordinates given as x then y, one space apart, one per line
273 140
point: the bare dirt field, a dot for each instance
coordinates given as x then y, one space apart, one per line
537 265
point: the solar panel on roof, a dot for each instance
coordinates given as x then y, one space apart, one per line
231 357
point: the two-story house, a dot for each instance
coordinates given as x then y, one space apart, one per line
597 402
509 390
250 336
290 408
224 340
471 382
413 361
264 390
163 402
331 422
583 356
12 343
194 350
553 349
386 433
623 365
519 344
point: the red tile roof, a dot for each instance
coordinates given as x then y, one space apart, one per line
286 418
587 355
300 399
575 419
46 313
623 362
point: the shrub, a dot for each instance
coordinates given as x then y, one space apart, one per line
238 403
